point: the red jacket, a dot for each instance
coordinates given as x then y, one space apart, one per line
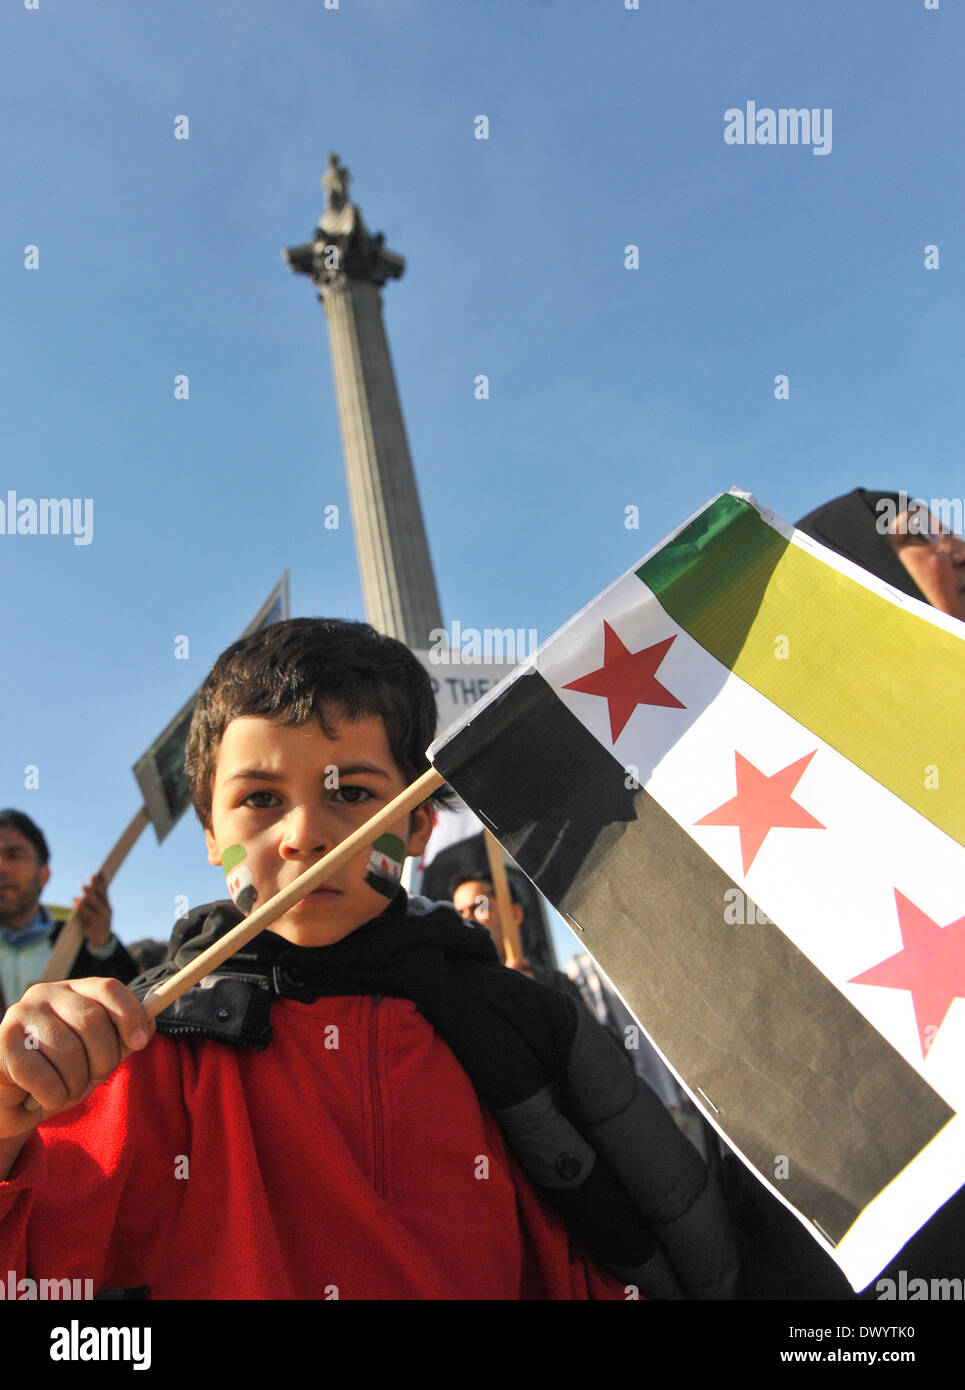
351 1159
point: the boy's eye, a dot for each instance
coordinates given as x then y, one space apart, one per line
260 801
354 796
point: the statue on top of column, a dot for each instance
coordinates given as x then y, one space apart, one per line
335 182
342 247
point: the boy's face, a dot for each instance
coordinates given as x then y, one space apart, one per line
288 794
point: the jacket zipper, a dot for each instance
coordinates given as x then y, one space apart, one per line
378 1124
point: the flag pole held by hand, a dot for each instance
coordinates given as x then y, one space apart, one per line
71 937
504 902
172 988
275 907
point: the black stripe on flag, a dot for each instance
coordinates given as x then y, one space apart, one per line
792 1068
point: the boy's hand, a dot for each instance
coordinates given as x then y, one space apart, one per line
60 1042
93 911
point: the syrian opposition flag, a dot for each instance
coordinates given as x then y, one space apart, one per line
739 775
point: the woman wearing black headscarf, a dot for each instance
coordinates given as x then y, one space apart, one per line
901 544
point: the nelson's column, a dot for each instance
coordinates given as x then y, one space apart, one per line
349 266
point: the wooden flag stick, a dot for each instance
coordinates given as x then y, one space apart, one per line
71 938
507 919
263 916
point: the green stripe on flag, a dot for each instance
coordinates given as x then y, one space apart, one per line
870 678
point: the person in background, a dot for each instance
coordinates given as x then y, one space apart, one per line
474 898
905 545
28 930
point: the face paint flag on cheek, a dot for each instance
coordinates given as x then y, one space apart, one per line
385 865
240 883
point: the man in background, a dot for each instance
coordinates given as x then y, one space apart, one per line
28 930
474 898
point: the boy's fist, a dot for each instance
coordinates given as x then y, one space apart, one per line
60 1042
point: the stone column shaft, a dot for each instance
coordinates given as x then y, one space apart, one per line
398 582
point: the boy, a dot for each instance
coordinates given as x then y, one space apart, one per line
302 1127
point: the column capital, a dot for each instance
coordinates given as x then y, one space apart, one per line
342 247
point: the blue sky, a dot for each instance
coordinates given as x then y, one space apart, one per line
609 387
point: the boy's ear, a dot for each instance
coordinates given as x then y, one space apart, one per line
420 828
214 854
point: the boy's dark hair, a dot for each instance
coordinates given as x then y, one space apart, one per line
313 668
477 873
16 820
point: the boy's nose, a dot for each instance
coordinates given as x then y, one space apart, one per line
306 831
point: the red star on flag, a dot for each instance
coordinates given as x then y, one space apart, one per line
931 964
761 804
627 679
